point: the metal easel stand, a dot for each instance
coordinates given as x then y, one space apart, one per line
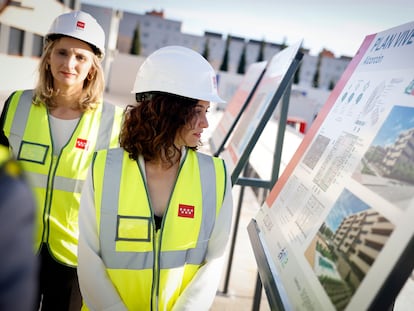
277 156
257 182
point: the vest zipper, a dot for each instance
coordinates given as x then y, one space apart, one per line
158 238
156 271
50 180
48 195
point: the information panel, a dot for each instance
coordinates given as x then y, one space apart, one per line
268 93
235 106
337 228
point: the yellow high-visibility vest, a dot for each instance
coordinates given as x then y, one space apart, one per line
8 165
57 180
150 268
4 154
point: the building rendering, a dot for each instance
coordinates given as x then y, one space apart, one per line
360 238
400 154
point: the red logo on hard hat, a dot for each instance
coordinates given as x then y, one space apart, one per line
81 144
185 211
80 25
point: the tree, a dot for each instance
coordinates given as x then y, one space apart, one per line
241 69
136 42
206 52
260 56
284 44
316 75
225 63
296 78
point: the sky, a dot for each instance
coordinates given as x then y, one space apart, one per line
346 205
399 120
337 25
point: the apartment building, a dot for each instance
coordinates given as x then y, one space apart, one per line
400 154
23 24
360 238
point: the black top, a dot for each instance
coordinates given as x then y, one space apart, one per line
158 221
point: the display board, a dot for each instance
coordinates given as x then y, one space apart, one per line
276 79
235 107
263 152
336 231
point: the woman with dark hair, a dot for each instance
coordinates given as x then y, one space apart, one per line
156 214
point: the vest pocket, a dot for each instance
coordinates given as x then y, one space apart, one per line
32 152
133 228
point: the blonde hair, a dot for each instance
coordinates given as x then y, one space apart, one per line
93 86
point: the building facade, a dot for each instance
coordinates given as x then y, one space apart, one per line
23 25
156 31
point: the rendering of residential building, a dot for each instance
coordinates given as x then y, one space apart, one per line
400 154
359 238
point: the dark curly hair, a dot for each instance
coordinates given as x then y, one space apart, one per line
150 126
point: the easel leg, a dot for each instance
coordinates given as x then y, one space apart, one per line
257 294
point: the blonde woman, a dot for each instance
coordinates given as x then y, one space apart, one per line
54 131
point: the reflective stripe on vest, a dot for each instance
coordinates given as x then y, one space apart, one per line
59 182
145 260
20 118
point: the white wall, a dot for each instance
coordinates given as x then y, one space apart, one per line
122 73
16 73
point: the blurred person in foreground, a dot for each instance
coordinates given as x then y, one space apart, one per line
53 131
18 263
156 214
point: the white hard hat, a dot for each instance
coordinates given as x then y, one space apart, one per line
178 70
79 25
